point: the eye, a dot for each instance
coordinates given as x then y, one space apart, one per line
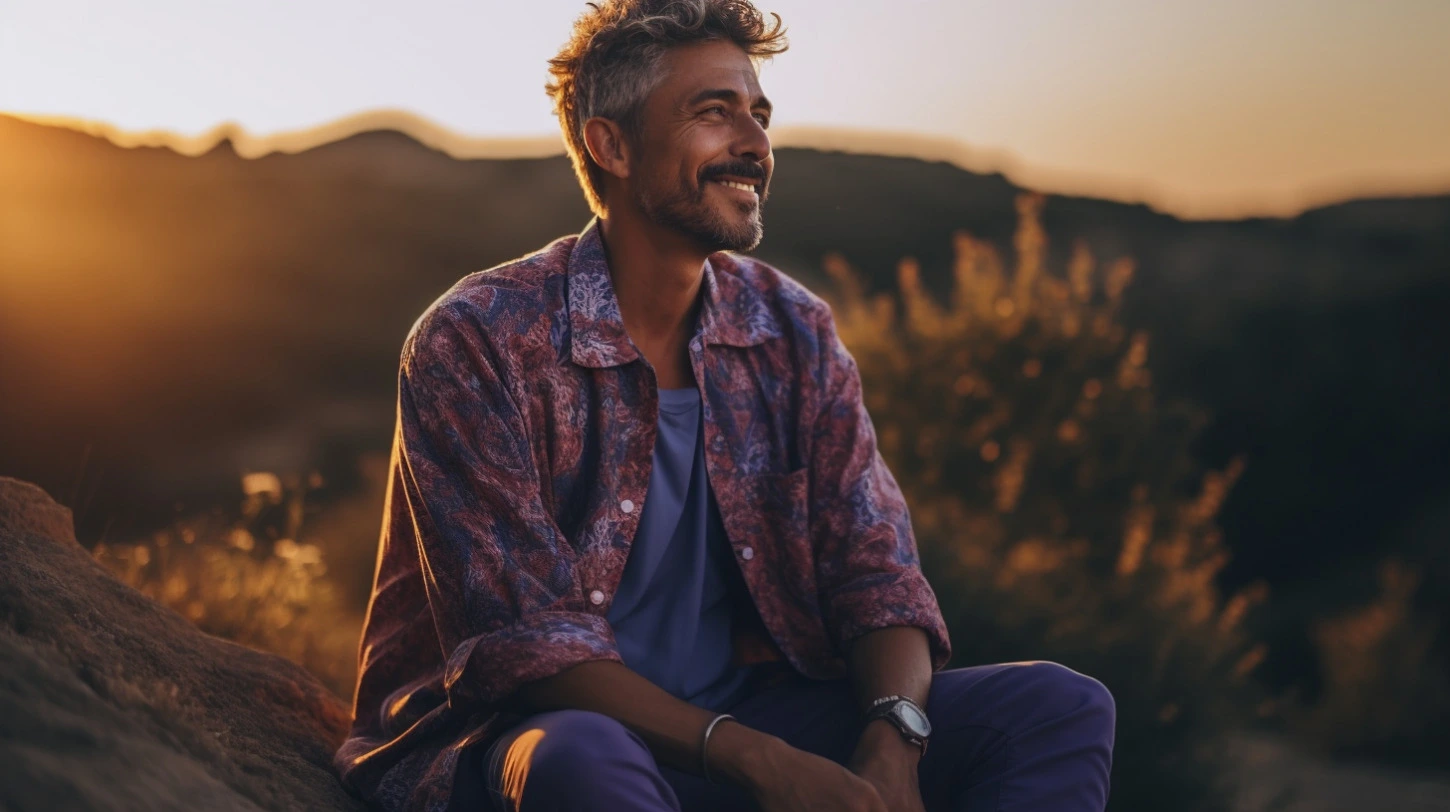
717 109
763 119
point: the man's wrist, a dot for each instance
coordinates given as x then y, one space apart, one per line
881 739
738 753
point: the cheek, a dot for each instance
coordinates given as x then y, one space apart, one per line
661 177
703 146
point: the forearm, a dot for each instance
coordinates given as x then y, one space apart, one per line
891 660
670 726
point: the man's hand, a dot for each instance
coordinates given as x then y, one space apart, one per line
782 778
889 763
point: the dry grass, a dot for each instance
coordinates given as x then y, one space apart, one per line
251 585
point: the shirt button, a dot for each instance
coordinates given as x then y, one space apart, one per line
626 506
747 553
596 597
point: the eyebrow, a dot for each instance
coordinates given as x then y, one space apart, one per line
729 95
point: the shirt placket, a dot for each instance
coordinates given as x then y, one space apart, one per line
623 505
716 463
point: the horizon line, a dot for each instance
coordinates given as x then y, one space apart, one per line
886 143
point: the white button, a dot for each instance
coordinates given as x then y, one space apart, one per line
747 553
626 506
596 597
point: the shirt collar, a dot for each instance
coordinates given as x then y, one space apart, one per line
733 312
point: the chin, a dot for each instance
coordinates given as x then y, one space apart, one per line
740 230
743 237
730 226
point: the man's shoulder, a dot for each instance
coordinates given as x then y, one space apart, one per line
794 309
507 305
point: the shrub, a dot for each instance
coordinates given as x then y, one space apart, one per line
1059 511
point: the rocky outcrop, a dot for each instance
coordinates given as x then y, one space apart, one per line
109 701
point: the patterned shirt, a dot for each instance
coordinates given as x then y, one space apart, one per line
521 457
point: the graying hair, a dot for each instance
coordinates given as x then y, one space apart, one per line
611 63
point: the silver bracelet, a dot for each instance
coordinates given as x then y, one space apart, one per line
705 742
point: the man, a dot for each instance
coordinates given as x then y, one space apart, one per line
640 551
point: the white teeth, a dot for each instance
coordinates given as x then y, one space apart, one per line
744 187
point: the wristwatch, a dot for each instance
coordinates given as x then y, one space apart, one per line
905 715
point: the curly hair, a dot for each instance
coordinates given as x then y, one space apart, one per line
611 63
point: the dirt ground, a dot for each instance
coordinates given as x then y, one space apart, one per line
1276 777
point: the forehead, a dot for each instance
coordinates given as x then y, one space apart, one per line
699 66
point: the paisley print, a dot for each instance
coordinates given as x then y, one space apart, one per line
520 465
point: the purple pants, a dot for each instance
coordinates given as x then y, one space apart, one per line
1015 736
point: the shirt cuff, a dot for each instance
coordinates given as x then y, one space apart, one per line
882 599
492 666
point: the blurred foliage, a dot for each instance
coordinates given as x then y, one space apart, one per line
1386 691
248 580
1058 508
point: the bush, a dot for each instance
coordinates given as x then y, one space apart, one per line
1059 511
247 580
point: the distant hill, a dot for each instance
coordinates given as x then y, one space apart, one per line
167 321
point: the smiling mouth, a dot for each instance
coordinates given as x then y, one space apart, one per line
744 187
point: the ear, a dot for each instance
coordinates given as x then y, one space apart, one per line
607 146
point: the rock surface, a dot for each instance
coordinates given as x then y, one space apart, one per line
109 701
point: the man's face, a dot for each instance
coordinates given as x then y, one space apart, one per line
702 138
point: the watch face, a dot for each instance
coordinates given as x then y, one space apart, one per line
914 720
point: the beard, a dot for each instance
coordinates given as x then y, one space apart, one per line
681 206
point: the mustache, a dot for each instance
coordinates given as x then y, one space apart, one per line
740 169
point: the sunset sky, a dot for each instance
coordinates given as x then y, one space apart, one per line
1206 108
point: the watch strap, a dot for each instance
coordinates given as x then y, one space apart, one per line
876 703
881 709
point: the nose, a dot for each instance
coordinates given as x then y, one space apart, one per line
751 140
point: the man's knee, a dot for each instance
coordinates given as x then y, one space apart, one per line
581 748
1069 693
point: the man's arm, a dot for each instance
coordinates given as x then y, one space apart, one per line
500 576
867 566
878 605
890 660
670 726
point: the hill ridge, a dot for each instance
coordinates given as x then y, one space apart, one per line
858 141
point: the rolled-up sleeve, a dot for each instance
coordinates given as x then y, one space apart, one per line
867 566
500 577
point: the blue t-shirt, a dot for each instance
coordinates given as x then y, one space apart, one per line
672 612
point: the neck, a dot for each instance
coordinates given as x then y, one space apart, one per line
657 274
